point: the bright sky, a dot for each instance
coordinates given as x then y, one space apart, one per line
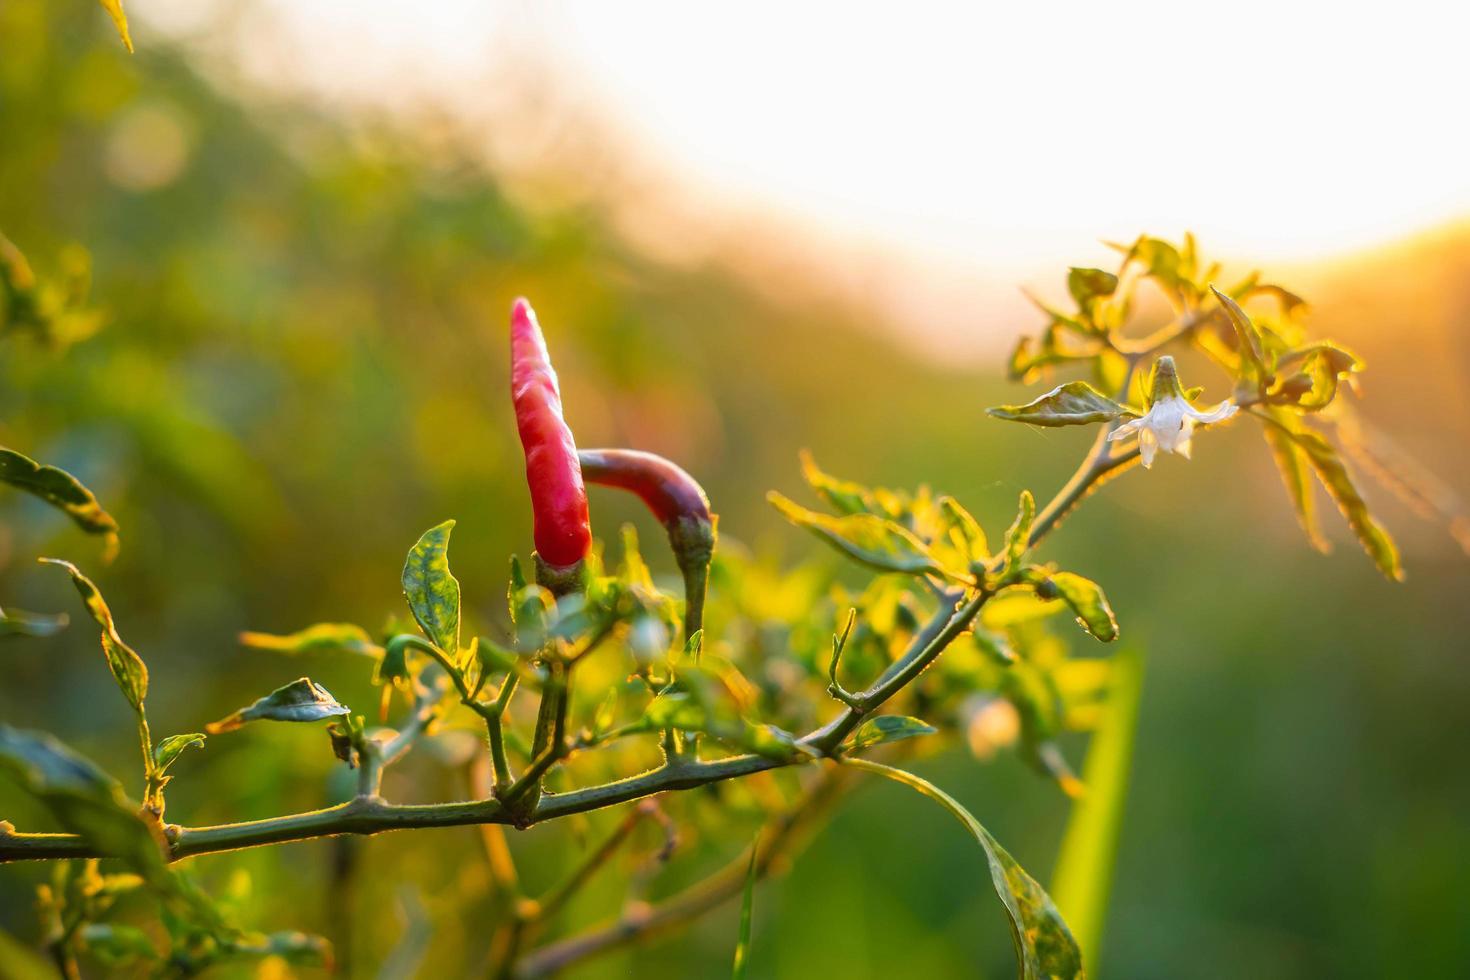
993 139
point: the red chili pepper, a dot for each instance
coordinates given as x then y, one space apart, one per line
680 504
558 499
669 492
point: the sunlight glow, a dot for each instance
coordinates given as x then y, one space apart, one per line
995 137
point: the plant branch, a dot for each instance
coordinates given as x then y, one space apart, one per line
594 861
640 923
949 622
369 815
378 757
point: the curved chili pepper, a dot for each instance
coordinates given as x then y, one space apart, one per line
679 503
562 529
667 489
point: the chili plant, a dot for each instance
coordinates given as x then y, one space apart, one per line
606 690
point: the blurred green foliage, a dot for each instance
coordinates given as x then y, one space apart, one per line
303 365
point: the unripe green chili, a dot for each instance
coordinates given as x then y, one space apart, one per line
558 499
679 503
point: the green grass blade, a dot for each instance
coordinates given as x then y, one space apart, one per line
742 948
1089 847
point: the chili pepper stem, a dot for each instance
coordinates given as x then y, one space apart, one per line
693 542
555 693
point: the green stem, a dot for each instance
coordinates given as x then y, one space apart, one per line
495 726
370 815
941 630
548 740
1099 467
374 758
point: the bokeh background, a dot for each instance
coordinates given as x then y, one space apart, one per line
304 259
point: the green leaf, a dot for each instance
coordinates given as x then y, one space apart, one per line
1045 949
1018 537
84 799
963 531
1333 474
1252 354
167 751
635 570
1087 601
392 667
59 489
675 709
126 666
887 728
1314 386
14 622
114 10
432 591
1090 844
1012 607
1087 286
1074 403
1029 359
703 704
300 700
1292 462
1289 301
866 538
117 945
1161 262
842 496
318 638
747 905
1058 318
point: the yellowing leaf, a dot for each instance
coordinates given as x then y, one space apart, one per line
1018 538
114 10
432 590
127 667
1338 483
1251 353
59 489
865 538
1292 462
841 495
1087 601
1087 286
318 638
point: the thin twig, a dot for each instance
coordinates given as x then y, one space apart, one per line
646 922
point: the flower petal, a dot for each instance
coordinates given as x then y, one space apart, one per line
1219 413
1148 445
1125 430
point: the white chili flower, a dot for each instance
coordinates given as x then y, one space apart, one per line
1170 420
